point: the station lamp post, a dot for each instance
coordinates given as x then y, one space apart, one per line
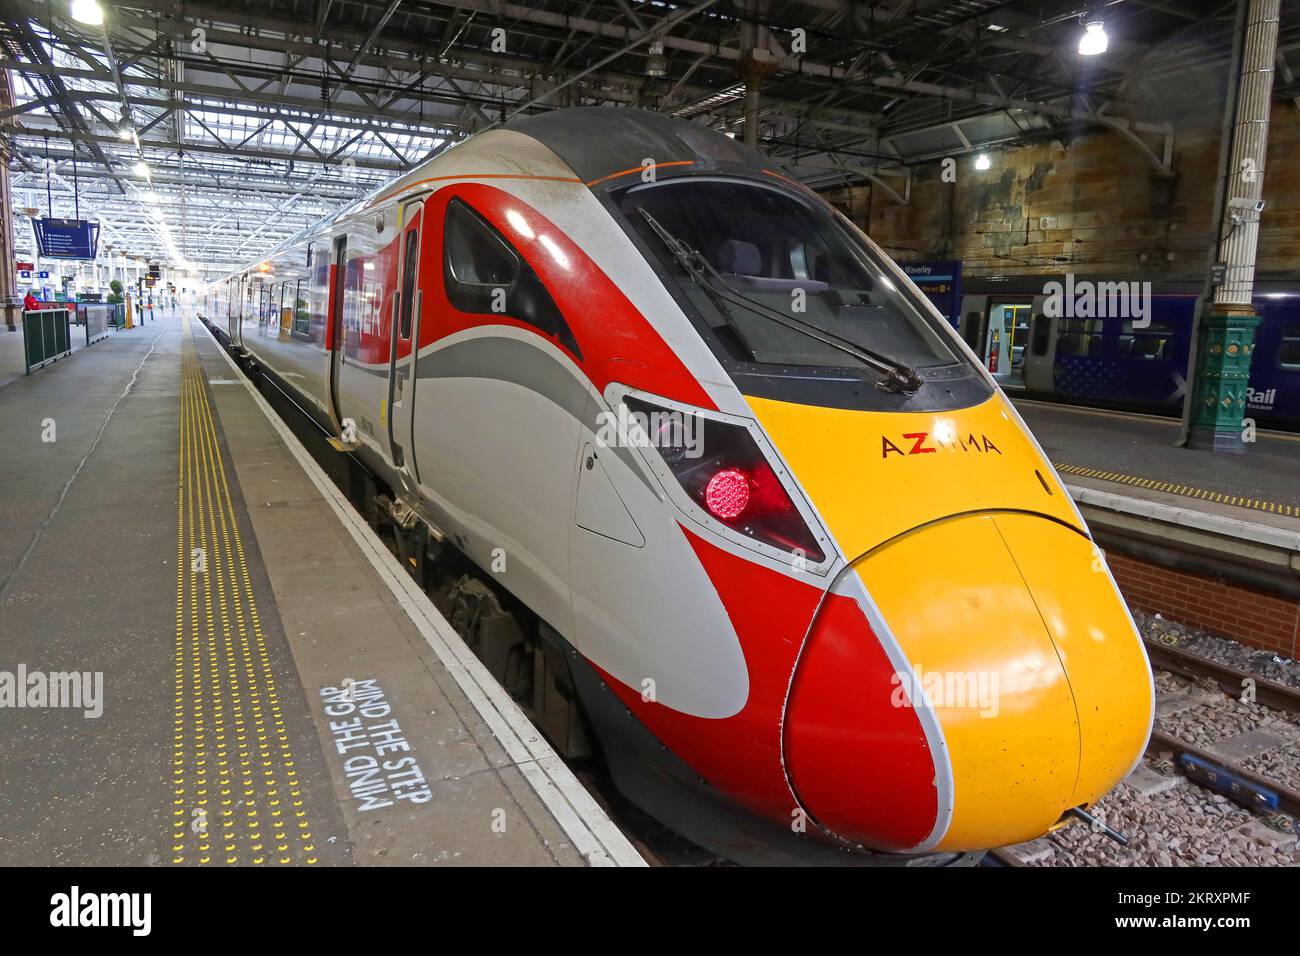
1226 338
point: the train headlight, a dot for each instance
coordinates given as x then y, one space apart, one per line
725 475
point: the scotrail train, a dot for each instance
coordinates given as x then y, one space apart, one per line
1131 358
789 556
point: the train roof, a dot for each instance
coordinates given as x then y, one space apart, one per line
597 142
600 141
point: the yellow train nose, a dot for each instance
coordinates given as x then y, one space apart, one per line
1019 640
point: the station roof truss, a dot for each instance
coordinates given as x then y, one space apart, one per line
209 132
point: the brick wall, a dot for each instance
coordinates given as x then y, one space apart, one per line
1095 207
1227 610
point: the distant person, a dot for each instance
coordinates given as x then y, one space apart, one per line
30 302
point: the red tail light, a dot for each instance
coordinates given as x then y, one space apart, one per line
727 493
724 472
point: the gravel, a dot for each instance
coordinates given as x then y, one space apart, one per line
1262 663
1217 717
1282 765
1187 826
1190 825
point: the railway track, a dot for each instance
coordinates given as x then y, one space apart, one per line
1234 682
1207 673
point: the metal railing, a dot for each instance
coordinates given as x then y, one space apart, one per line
47 336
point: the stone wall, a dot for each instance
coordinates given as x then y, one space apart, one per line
1097 206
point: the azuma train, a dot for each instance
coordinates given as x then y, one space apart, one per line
792 563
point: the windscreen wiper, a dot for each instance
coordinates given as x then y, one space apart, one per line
899 377
690 260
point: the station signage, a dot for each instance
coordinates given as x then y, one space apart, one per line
941 283
66 238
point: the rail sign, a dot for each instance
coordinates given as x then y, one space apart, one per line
66 238
941 283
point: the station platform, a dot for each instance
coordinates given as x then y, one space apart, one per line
1209 540
1134 455
254 679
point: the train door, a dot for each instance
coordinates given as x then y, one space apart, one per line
335 332
1040 355
236 304
264 314
1006 339
408 300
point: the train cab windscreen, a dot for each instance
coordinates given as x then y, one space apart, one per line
781 284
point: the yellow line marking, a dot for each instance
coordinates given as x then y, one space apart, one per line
228 728
1185 490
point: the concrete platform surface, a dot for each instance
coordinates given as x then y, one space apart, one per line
1134 455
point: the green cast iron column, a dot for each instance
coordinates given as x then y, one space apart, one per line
1227 342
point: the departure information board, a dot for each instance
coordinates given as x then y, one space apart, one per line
941 283
66 238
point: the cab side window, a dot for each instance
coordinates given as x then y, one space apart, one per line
485 275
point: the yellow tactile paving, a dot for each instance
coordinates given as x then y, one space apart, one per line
1273 507
236 796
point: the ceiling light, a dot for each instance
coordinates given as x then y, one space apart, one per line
88 12
1094 39
151 197
656 64
141 169
982 161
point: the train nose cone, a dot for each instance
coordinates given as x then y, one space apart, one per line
1015 654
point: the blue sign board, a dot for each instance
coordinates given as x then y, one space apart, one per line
941 283
66 238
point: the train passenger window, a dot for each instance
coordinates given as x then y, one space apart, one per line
1288 355
1149 343
1079 337
485 275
